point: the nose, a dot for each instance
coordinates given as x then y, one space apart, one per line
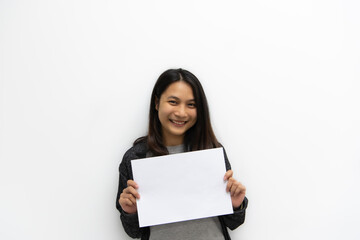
181 111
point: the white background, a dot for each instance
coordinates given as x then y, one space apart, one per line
282 81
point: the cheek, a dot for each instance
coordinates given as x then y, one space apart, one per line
194 116
161 116
163 113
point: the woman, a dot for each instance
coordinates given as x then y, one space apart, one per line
179 121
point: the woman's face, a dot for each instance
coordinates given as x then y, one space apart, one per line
177 112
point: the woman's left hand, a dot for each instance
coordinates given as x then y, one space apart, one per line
236 189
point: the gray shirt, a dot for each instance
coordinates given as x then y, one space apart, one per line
200 229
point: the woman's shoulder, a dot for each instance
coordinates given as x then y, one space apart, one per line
138 150
227 163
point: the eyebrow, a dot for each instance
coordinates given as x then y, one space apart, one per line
190 100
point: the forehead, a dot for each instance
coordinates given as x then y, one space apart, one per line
179 89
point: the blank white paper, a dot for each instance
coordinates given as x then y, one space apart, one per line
181 187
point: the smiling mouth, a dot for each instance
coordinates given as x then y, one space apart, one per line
178 123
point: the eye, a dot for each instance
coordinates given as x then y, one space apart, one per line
172 102
192 105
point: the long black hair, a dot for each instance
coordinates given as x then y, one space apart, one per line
198 137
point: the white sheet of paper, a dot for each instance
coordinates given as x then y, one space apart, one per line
181 187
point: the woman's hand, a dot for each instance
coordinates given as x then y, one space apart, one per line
236 189
128 197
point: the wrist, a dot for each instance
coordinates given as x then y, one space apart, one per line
240 207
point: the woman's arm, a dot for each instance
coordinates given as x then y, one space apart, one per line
234 220
236 189
239 201
129 220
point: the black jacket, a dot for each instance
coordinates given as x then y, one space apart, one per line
130 221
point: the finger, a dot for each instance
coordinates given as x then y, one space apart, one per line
241 189
123 201
132 183
128 196
127 202
237 191
229 184
131 190
233 188
228 175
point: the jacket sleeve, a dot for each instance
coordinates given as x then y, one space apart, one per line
234 220
129 221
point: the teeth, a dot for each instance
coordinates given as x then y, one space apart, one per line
178 122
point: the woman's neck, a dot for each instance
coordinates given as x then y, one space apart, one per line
173 141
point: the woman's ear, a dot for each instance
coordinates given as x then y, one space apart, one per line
156 104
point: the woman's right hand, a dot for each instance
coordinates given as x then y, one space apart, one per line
128 197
